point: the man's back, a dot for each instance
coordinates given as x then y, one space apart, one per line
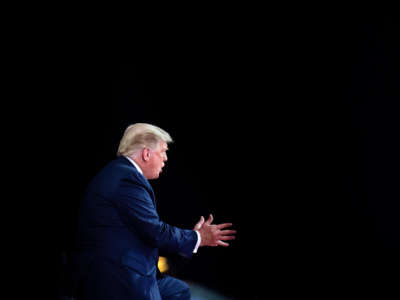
102 229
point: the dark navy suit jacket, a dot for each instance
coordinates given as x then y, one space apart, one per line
120 232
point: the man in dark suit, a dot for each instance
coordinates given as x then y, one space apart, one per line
120 232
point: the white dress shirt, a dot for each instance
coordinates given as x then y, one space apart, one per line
141 172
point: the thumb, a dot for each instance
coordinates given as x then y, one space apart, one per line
199 224
210 219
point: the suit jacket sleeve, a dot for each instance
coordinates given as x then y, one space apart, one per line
137 211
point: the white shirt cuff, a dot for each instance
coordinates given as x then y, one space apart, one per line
198 242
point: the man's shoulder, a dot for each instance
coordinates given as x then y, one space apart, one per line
118 164
114 170
114 173
122 167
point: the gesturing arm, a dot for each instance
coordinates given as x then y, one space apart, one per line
137 211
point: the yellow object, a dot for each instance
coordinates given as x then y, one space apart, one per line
162 264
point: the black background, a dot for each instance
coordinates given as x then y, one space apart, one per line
287 129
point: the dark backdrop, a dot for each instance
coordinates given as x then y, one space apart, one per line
289 132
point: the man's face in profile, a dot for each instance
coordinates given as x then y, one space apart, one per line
157 157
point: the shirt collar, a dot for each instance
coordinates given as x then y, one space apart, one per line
135 164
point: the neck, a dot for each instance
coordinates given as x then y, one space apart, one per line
137 163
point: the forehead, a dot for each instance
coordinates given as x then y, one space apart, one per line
163 146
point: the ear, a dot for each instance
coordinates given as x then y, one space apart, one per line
146 154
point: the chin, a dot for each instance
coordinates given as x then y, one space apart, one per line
155 176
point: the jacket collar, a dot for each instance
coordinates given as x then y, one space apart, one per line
131 165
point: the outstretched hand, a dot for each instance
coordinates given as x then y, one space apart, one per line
213 235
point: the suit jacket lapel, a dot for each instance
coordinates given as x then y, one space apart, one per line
150 189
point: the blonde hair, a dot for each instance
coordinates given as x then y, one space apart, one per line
140 135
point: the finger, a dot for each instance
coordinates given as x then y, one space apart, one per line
200 223
227 238
227 232
221 226
221 243
210 219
